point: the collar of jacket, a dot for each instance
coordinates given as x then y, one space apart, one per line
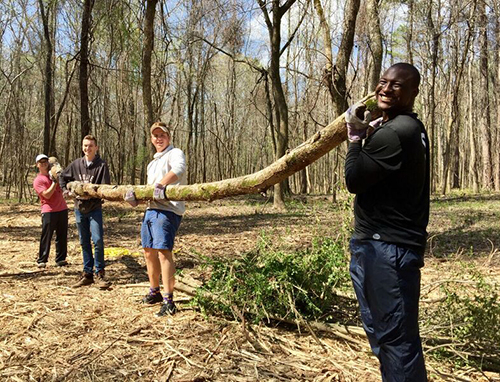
160 154
94 163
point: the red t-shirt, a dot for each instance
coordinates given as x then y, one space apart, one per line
56 202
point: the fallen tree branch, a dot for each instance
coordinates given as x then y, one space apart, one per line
297 159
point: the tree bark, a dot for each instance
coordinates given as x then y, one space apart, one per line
485 121
325 28
409 35
85 122
472 137
297 159
458 68
280 104
375 42
343 56
146 60
147 99
48 79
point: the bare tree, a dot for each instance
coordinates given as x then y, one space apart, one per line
48 83
146 60
375 38
280 104
435 34
459 59
485 121
85 121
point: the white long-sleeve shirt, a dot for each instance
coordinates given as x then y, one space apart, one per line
170 159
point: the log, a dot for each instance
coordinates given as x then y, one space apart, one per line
55 168
295 160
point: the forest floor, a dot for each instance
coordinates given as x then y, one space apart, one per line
51 332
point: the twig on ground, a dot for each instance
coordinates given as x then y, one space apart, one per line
66 375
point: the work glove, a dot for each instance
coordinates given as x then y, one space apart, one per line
358 119
52 178
159 192
374 126
130 198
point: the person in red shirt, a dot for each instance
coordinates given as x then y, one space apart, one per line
54 214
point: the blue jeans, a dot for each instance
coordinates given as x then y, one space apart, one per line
386 280
90 226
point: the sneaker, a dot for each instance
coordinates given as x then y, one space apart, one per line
41 265
152 298
102 283
85 279
168 308
62 263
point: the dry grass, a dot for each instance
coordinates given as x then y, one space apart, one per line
51 332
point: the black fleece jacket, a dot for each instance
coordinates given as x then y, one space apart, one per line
96 173
390 176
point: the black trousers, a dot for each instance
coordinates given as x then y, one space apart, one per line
386 279
54 221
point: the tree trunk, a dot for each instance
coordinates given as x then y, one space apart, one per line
85 122
48 97
343 56
147 99
458 66
409 36
485 121
375 42
303 173
303 155
432 93
472 136
325 28
280 104
146 60
496 143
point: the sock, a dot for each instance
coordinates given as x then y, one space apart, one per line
169 297
153 291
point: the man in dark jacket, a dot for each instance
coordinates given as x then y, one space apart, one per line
88 212
388 170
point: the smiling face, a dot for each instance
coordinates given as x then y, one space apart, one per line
43 166
89 148
160 139
396 90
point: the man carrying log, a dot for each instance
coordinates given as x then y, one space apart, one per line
388 170
162 218
88 211
54 214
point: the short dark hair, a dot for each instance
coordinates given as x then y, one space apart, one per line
415 74
90 137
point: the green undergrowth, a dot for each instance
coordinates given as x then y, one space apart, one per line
464 324
270 282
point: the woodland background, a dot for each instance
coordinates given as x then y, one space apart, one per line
240 82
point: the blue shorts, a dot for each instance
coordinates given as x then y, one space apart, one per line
159 228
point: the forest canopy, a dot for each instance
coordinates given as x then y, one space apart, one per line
240 82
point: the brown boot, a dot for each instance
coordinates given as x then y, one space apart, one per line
85 279
101 282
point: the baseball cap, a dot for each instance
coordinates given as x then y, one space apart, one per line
39 157
160 125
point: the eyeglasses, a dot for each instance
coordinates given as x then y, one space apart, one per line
43 161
